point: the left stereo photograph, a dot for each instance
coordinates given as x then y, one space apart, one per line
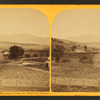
24 50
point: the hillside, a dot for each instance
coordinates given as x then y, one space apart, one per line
69 44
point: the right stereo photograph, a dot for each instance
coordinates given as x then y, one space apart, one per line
75 51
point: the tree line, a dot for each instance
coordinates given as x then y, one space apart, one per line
57 51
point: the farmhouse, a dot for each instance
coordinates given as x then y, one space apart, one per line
38 53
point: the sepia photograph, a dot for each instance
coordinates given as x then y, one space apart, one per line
24 50
75 50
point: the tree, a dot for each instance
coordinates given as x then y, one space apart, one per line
73 48
85 48
58 51
15 52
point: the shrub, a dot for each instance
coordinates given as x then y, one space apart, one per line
27 55
83 58
35 55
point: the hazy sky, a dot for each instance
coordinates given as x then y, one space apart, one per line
76 22
23 21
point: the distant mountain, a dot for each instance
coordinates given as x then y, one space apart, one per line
24 38
93 44
85 38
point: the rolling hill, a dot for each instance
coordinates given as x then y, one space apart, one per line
88 39
24 38
68 45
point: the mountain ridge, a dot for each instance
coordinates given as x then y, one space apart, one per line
85 38
24 38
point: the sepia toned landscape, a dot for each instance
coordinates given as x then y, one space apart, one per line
24 50
75 62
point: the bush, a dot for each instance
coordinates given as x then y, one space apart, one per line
83 58
35 55
27 55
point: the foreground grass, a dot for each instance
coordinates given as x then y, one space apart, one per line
74 70
23 74
62 88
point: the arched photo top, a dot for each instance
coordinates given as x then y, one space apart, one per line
24 50
81 25
24 23
76 51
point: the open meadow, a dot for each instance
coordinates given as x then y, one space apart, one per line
76 76
19 75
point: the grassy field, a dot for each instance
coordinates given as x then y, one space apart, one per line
76 72
17 77
26 46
